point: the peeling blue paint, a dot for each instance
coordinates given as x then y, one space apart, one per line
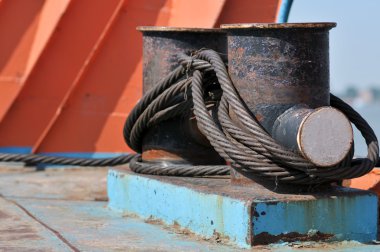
346 217
350 216
201 213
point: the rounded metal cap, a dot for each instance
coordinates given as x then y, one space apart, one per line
176 29
325 25
325 137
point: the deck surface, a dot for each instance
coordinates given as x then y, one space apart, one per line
66 210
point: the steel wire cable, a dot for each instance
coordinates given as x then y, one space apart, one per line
243 143
35 159
283 165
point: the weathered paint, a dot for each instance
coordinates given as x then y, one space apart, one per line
19 232
242 214
90 226
201 213
347 217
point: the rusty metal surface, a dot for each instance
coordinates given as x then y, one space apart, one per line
266 238
173 141
177 137
176 29
162 45
281 72
325 25
275 69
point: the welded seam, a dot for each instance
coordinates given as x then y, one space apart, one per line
55 232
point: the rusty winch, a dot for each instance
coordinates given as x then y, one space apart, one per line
270 115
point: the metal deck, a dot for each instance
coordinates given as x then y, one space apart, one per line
66 210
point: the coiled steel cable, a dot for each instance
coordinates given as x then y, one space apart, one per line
246 145
182 170
250 148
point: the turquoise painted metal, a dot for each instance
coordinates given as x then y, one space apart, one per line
38 215
205 214
245 216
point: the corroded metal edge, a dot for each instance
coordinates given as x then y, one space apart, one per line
326 25
176 29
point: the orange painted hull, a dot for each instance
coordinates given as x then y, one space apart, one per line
370 181
71 70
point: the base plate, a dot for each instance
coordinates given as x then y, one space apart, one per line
245 216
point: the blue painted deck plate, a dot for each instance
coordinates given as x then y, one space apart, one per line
244 216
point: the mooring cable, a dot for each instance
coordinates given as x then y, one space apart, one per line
36 159
244 144
247 145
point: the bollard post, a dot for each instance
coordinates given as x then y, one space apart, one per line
281 72
177 140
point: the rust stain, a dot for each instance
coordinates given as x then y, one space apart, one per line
154 155
161 47
259 117
266 238
219 238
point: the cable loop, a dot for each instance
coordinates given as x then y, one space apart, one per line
244 144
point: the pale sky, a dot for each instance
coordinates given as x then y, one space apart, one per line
354 43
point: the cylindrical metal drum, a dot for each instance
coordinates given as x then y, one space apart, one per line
277 66
281 72
177 140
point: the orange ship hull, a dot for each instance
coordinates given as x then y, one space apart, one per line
72 70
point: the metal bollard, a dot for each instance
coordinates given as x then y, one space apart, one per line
281 71
177 140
